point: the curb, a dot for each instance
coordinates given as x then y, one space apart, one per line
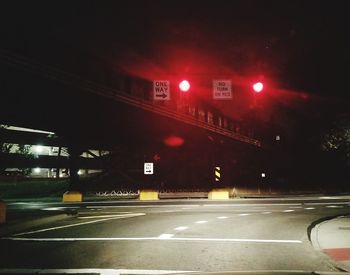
313 238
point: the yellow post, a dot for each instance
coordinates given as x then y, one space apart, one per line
217 174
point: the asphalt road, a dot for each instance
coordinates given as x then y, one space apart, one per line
188 235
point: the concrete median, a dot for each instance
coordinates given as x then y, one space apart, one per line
148 195
219 194
72 196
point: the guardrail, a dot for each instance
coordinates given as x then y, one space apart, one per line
165 194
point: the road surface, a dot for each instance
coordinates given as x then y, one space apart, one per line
187 235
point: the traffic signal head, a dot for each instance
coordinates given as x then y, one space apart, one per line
258 87
184 86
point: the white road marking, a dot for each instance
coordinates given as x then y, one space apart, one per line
222 217
145 206
180 228
265 213
249 205
78 224
334 206
165 236
100 271
103 212
325 203
165 211
244 214
149 272
152 239
201 221
99 216
309 208
59 208
288 210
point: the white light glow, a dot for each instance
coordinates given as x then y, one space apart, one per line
37 170
38 149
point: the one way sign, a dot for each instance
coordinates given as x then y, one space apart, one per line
161 90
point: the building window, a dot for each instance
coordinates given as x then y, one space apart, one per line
192 110
210 118
225 123
220 121
201 114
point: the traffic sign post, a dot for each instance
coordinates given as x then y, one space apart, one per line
161 90
222 89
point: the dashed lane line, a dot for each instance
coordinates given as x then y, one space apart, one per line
180 228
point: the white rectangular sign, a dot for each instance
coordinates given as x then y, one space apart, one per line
161 89
222 89
148 168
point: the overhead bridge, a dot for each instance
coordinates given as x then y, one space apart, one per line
22 63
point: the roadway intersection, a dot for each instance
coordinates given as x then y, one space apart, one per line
172 235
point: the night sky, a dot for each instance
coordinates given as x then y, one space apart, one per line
299 48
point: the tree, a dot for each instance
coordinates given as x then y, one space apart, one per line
25 150
337 139
4 147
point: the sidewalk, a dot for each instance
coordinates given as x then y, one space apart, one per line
332 237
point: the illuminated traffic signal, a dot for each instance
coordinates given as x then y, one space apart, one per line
184 86
258 87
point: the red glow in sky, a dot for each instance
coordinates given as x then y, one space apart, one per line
174 141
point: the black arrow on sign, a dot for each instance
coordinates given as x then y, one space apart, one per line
162 95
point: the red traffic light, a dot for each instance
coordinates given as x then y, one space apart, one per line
258 87
184 86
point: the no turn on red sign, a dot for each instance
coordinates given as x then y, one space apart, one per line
222 89
161 89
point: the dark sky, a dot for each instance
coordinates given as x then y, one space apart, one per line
299 48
